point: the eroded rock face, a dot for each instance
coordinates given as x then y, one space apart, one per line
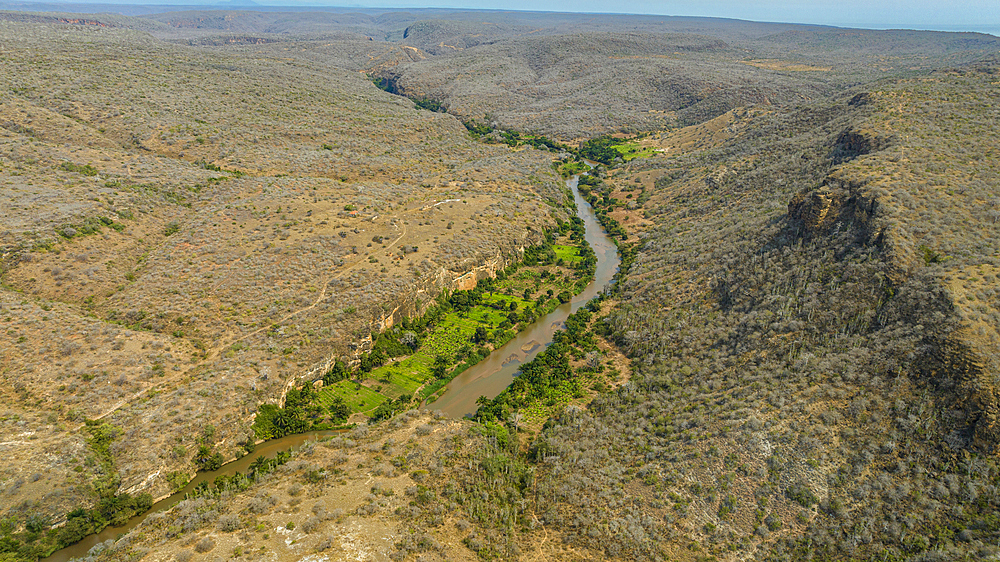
422 297
816 210
417 303
952 362
853 143
858 205
953 357
839 204
842 198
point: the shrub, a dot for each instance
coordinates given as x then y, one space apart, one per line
228 523
204 545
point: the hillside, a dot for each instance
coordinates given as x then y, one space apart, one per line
594 80
812 323
203 211
179 251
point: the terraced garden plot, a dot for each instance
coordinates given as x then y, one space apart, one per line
631 150
529 278
498 296
453 332
361 399
569 254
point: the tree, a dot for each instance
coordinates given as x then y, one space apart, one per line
515 420
410 340
339 410
336 373
258 464
372 360
440 367
481 336
205 459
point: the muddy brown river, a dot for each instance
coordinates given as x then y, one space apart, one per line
489 378
492 375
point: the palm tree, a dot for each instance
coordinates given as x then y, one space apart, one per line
281 422
258 464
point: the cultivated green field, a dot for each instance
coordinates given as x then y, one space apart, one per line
569 254
532 290
359 397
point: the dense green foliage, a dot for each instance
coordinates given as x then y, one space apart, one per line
302 412
600 149
609 150
238 481
598 194
513 138
88 226
83 170
440 344
32 538
549 378
429 105
207 459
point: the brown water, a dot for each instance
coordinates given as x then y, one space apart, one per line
269 449
488 377
493 374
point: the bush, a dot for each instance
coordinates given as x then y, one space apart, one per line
310 524
800 492
204 545
228 523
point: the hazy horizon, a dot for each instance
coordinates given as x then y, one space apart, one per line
971 15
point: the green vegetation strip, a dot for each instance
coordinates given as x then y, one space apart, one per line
608 149
32 537
549 382
417 358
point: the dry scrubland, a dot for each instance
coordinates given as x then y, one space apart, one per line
412 488
820 378
596 75
809 312
179 241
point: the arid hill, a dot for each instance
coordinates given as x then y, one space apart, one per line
186 232
202 210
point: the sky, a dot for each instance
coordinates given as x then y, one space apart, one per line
868 13
954 15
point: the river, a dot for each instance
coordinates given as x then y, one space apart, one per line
493 374
489 377
268 449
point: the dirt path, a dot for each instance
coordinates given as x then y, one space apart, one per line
539 553
214 351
